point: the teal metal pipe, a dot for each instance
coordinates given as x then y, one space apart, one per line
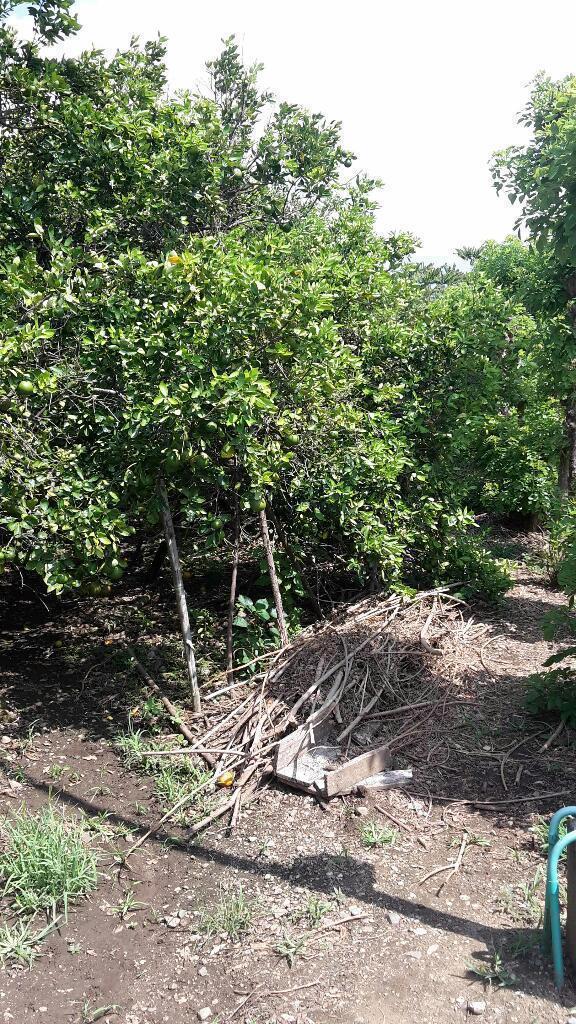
552 912
553 830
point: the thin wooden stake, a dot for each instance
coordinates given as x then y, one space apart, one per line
181 603
273 578
232 599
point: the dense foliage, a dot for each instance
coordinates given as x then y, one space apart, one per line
192 288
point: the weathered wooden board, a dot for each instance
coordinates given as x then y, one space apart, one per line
308 770
297 742
343 780
385 780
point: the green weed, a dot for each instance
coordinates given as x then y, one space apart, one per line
289 949
375 835
19 943
493 972
522 902
314 911
45 863
232 915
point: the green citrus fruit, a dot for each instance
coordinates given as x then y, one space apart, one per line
227 451
114 572
257 503
26 387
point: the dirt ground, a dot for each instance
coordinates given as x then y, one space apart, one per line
340 931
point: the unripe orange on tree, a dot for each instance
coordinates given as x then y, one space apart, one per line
26 387
257 502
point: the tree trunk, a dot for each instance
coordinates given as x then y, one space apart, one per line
567 466
153 572
296 559
181 604
273 578
232 601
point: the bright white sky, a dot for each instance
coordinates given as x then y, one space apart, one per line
426 89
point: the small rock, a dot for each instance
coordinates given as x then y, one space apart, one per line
204 1013
361 811
202 971
393 917
173 921
355 911
477 1007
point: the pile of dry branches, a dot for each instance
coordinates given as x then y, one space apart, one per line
378 671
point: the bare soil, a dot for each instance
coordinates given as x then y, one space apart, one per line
403 951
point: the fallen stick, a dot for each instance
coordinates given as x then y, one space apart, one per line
423 641
495 803
552 737
245 1000
289 991
457 863
170 708
188 751
417 704
401 824
180 803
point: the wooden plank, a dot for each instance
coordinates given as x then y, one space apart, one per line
308 770
304 737
385 780
343 780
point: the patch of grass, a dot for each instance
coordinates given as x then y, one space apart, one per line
44 862
173 780
128 905
539 831
19 943
290 949
131 744
314 912
98 824
492 972
91 1014
473 840
375 835
522 902
232 915
173 783
522 944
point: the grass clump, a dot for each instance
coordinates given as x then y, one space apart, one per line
492 972
375 835
173 780
19 943
44 863
232 915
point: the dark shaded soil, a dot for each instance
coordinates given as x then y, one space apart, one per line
402 954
